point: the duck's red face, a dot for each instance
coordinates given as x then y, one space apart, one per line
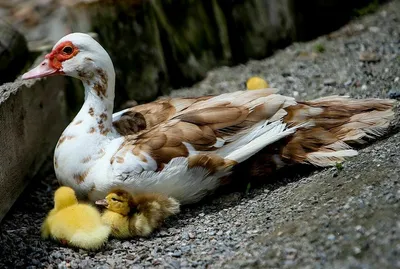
53 62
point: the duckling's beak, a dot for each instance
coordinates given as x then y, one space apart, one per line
102 202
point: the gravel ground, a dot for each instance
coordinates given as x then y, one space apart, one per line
326 218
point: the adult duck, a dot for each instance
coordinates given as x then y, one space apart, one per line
185 147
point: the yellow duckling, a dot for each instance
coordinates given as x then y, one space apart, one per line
136 215
74 224
256 83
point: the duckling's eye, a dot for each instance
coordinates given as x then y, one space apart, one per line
114 199
67 50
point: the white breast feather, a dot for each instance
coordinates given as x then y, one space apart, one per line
176 179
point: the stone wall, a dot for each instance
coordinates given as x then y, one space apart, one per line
157 45
32 117
13 52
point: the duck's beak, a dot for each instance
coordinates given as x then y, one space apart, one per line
102 202
42 70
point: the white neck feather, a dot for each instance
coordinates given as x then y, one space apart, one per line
96 112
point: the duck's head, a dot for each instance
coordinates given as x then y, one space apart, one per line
76 55
64 197
117 201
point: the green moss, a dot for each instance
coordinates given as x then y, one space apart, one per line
222 30
368 9
248 187
339 166
320 48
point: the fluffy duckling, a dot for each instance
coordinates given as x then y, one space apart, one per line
74 224
256 83
136 215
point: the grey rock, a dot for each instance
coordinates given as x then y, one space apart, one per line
192 235
331 237
394 93
329 82
176 254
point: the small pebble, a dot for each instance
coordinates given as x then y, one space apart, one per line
356 250
176 254
62 265
394 93
374 29
329 82
348 83
360 229
290 253
185 236
185 248
331 237
163 233
367 56
192 235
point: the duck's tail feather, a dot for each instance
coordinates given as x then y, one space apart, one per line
335 124
341 122
274 132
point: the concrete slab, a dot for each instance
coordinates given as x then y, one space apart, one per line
32 117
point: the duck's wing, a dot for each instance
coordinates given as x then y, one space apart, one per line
214 133
144 117
230 128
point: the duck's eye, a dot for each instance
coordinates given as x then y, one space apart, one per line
67 50
114 199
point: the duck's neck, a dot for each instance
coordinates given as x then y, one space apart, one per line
96 112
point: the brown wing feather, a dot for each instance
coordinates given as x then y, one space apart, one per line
199 127
171 125
166 141
146 116
130 122
338 121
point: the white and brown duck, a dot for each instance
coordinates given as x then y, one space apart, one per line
185 147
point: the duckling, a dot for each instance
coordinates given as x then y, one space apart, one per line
136 215
74 224
256 83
